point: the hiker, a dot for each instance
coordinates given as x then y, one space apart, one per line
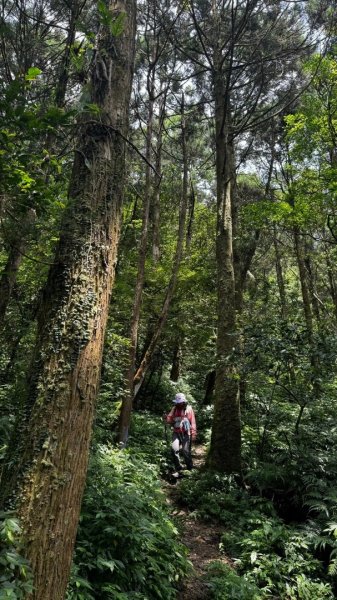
182 419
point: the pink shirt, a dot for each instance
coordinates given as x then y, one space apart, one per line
177 414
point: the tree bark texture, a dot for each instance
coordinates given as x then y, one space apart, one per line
45 477
225 448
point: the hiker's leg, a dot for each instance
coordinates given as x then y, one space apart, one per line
186 450
175 451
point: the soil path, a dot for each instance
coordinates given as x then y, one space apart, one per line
202 540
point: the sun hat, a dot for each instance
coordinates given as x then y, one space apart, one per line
180 398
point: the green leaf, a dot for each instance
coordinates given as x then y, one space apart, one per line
32 73
117 25
253 557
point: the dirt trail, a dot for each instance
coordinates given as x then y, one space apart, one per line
202 539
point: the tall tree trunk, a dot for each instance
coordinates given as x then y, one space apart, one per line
225 448
126 408
151 347
157 183
45 478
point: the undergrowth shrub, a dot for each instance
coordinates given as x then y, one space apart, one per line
225 584
271 559
150 439
279 560
16 579
127 547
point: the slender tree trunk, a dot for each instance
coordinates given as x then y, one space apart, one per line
331 278
150 349
126 408
157 184
190 218
244 259
304 283
63 77
279 277
45 479
18 245
305 288
312 284
225 448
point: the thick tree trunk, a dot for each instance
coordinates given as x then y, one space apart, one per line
225 448
45 480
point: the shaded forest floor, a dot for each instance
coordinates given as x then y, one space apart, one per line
202 539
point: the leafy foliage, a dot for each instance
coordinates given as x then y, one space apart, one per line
270 558
127 547
15 576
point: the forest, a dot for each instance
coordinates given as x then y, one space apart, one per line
168 226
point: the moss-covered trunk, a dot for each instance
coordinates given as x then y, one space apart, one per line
46 471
